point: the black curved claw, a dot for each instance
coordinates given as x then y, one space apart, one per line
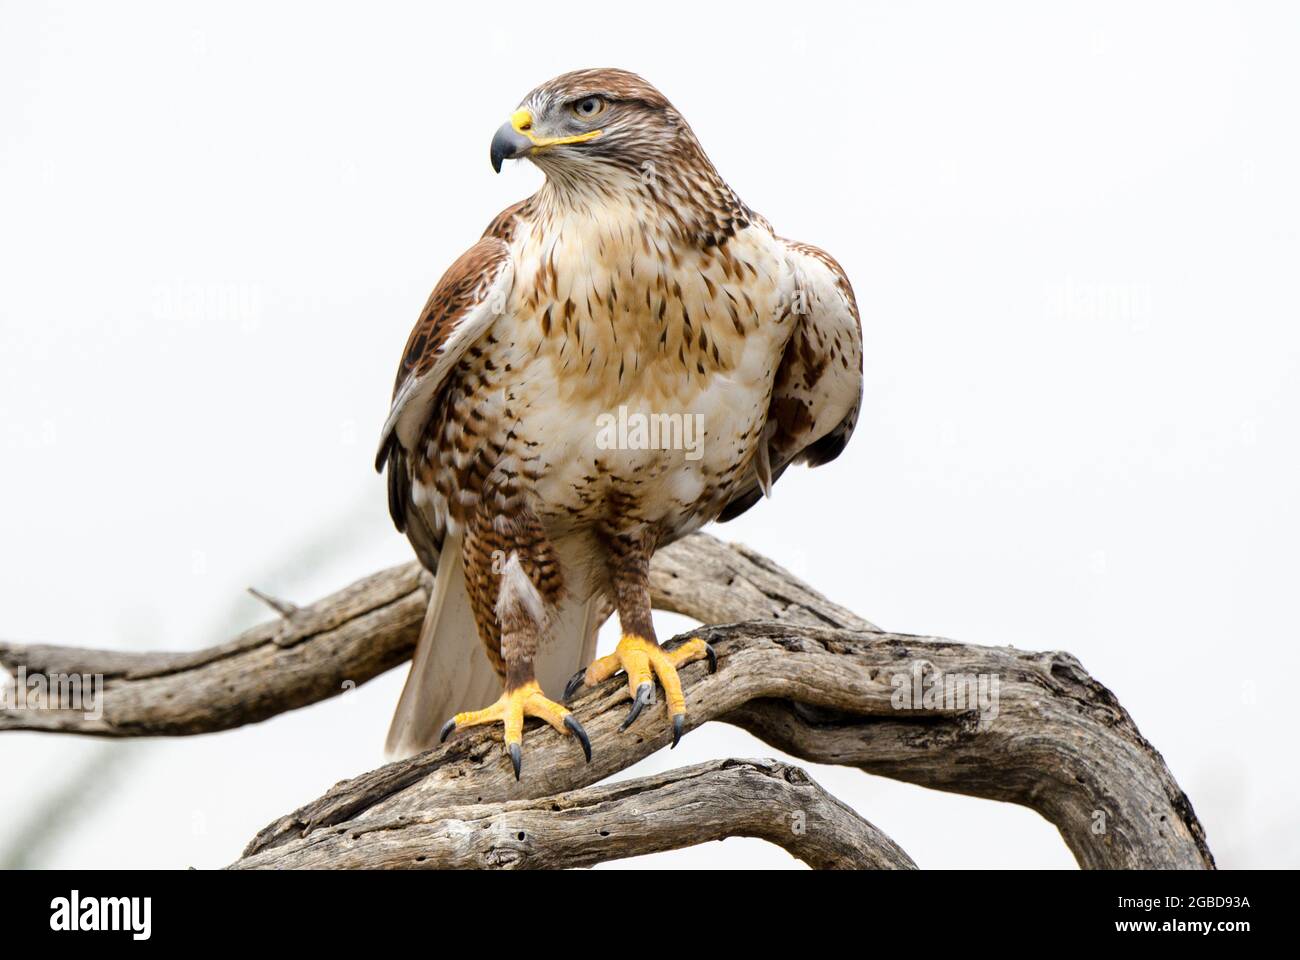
575 681
575 728
713 658
447 728
679 721
638 703
516 758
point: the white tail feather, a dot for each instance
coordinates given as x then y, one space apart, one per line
451 672
570 646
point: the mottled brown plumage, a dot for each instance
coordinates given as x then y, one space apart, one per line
633 284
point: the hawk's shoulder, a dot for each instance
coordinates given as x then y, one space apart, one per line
468 298
462 289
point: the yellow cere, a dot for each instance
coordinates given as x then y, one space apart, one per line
522 121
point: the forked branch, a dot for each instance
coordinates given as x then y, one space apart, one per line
808 677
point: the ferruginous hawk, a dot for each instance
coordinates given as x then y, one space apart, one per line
623 357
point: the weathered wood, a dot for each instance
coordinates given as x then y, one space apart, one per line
579 828
1059 743
356 634
813 679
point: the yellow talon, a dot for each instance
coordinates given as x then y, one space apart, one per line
643 660
523 701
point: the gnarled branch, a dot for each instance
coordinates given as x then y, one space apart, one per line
812 679
354 635
579 828
358 633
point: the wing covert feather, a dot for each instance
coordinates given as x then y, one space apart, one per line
818 386
469 297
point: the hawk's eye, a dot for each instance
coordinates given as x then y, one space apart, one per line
589 107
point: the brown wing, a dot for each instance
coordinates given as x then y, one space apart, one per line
470 295
818 387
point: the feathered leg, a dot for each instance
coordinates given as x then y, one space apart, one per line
513 580
638 653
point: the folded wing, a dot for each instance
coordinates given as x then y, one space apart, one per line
469 297
818 386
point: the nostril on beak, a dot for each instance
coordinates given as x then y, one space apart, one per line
522 120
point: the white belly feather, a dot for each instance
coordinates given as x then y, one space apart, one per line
663 362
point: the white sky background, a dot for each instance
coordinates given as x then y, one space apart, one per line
1072 230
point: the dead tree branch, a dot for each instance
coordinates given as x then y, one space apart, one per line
681 808
812 679
356 634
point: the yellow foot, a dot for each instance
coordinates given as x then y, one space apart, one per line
643 660
514 705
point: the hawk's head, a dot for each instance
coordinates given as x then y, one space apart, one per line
581 122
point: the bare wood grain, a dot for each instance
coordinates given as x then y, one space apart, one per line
354 635
1059 744
812 679
579 828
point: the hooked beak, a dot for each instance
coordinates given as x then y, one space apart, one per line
508 144
516 137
